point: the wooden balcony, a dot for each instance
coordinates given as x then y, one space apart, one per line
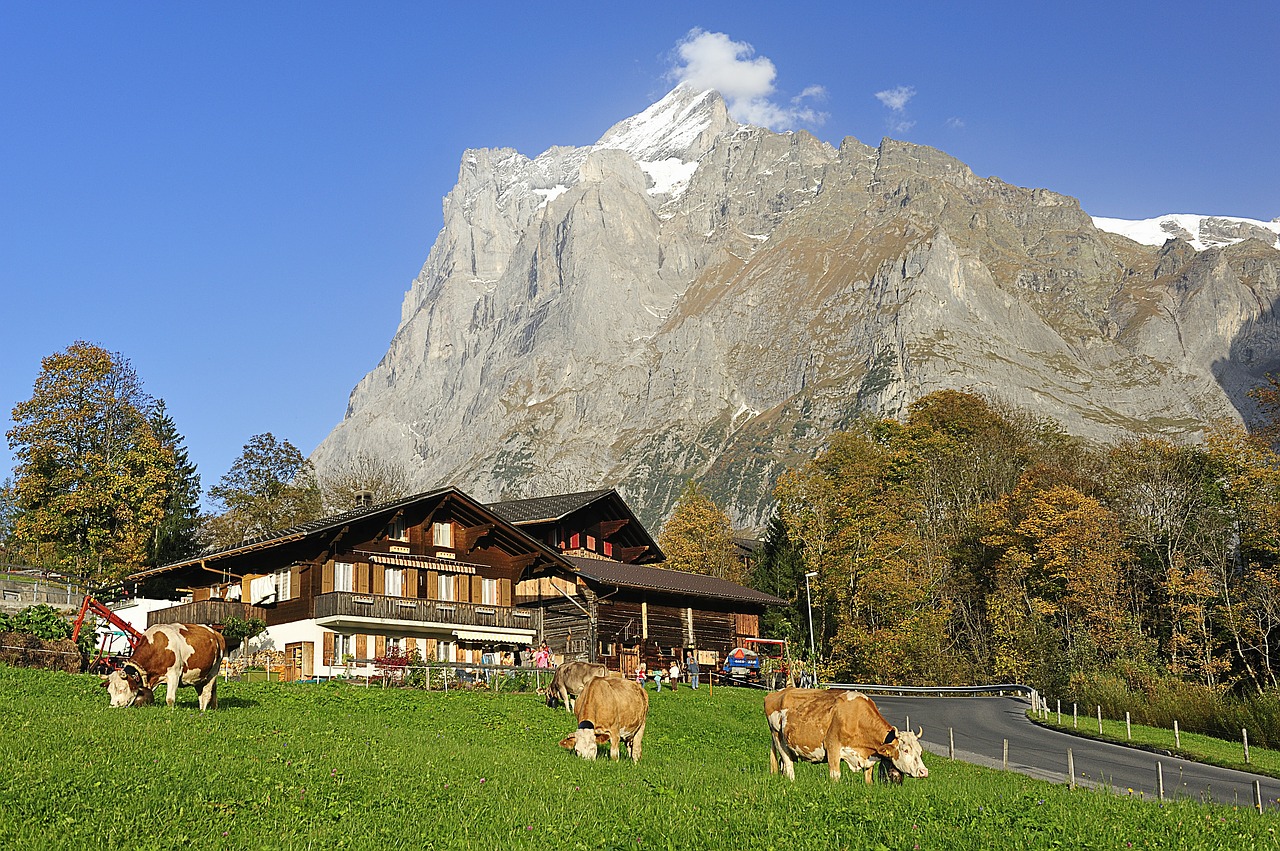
211 612
345 610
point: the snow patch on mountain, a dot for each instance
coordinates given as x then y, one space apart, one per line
1200 232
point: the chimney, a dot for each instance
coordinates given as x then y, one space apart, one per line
364 499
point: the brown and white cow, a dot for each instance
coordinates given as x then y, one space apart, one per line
570 679
838 726
611 710
188 654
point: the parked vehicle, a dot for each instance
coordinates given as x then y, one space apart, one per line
760 661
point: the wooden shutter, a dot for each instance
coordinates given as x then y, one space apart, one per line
295 583
362 578
379 580
362 646
381 644
327 656
326 579
433 585
477 595
410 584
504 592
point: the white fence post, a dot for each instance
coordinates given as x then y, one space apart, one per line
1128 730
1006 754
951 737
1244 734
1099 720
1177 738
1071 767
1160 780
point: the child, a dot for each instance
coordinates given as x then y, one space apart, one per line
642 674
674 673
657 677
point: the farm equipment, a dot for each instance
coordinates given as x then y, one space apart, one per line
106 659
760 661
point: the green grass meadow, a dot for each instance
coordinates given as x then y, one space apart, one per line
339 766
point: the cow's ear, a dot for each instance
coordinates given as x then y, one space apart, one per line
568 742
602 739
105 681
893 734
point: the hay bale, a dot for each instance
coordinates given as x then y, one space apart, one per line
23 650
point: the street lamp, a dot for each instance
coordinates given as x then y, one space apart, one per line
813 654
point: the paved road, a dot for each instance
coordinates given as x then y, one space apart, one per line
982 724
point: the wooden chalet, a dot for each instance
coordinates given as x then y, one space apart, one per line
433 573
614 604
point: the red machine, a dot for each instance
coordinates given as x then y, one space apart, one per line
104 661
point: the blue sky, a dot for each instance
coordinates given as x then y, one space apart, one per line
235 196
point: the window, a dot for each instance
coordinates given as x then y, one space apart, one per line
284 584
393 582
442 534
395 646
396 530
343 646
447 587
446 651
489 592
342 577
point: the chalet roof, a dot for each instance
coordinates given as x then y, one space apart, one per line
545 509
670 581
375 515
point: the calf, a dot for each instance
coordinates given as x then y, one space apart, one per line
175 653
838 726
610 710
570 679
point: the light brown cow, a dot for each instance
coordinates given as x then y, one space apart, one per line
188 654
611 710
570 679
838 726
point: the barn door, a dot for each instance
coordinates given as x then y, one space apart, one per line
628 659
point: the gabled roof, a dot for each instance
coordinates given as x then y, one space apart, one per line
545 509
669 581
372 518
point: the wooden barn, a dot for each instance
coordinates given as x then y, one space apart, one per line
616 604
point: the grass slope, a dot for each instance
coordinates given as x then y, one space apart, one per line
335 766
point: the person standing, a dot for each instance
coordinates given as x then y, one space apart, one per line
642 673
674 673
694 669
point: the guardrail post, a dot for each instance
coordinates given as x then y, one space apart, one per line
1128 730
951 737
1257 797
1071 768
909 727
1177 738
1244 734
1006 755
1099 720
1160 781
1075 718
1059 712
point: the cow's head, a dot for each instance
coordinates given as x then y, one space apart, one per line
124 685
585 740
553 699
903 749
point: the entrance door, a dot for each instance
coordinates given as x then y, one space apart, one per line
628 659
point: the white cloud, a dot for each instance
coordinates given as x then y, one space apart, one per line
955 123
714 61
897 97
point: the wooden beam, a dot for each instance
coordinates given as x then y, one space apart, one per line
333 544
628 555
468 536
606 529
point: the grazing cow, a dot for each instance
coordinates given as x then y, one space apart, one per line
610 710
570 679
838 726
188 654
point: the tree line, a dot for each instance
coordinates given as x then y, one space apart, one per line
103 484
977 542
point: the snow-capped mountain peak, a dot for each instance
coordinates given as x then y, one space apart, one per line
1200 232
679 126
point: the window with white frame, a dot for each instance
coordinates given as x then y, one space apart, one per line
442 534
396 530
446 587
446 651
284 584
395 646
344 646
393 582
342 576
489 592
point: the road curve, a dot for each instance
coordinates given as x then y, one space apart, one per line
982 724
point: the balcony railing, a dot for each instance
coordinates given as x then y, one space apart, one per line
377 606
212 612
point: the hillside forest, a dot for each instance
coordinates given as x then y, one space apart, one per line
978 543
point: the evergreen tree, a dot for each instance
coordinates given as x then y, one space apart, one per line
779 571
176 536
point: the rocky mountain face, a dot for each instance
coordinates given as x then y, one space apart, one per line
694 298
